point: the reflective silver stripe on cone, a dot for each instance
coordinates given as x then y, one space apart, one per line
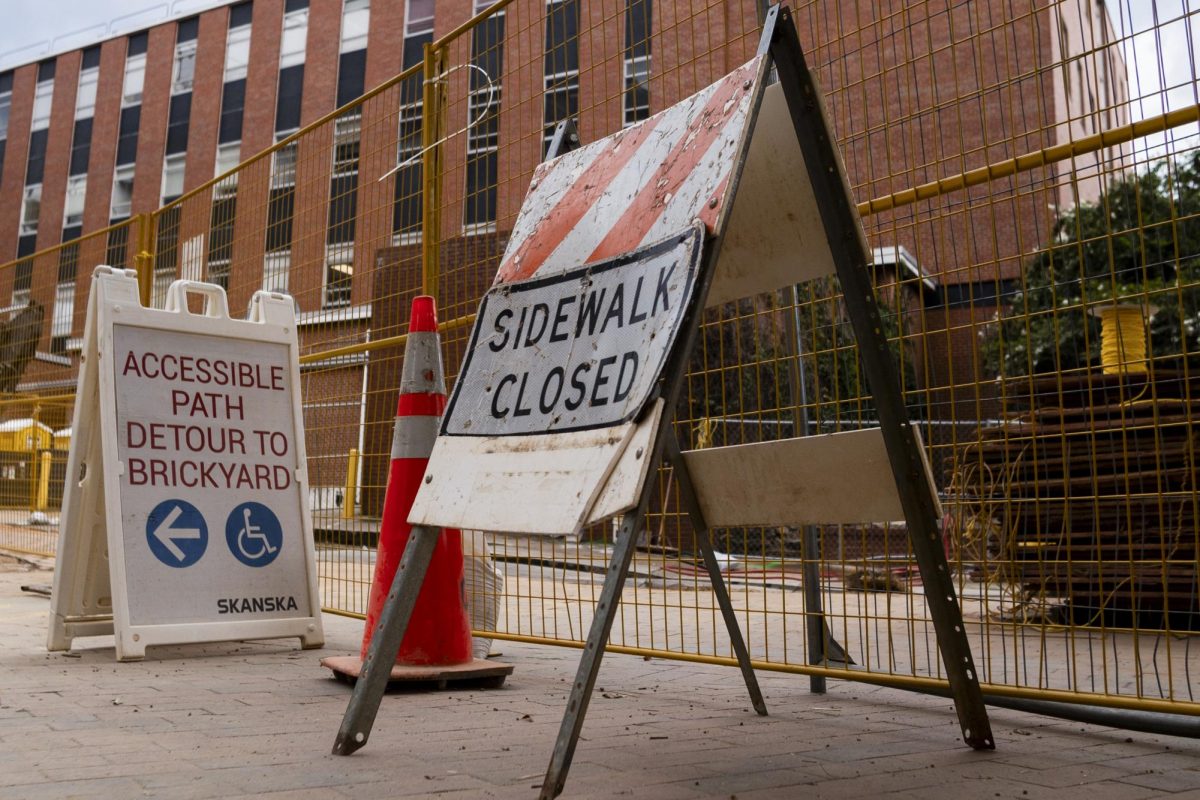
413 436
422 372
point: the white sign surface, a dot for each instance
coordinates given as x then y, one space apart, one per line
186 518
575 350
206 437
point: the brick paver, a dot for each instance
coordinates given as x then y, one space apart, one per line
257 719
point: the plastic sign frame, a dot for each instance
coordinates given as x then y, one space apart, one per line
185 516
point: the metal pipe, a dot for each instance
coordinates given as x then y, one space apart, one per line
1033 160
431 173
810 552
1124 718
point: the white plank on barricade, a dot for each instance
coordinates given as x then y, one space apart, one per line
775 237
829 478
188 471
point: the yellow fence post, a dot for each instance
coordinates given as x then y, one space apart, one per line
431 168
351 494
143 259
43 490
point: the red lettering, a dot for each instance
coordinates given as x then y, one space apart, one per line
131 365
183 473
146 370
135 435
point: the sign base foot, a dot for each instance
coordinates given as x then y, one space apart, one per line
481 673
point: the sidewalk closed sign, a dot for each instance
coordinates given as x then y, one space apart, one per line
575 350
200 454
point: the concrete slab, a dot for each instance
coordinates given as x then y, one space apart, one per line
258 719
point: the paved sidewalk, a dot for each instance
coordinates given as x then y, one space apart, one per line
257 719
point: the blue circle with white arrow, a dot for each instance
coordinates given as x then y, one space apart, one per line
177 533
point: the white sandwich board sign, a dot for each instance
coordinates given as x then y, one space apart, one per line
185 517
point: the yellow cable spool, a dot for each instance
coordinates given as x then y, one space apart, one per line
1123 338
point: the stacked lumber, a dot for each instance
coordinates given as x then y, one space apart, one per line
1087 495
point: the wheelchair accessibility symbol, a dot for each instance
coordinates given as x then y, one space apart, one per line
254 534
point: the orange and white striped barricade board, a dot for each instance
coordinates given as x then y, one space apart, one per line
185 517
562 410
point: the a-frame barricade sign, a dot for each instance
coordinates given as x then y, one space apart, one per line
563 409
185 516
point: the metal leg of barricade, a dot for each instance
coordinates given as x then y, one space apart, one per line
691 503
606 612
593 649
848 246
385 644
814 617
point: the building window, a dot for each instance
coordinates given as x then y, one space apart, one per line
283 163
81 147
76 193
483 110
281 207
122 192
179 115
42 95
343 185
356 17
233 106
135 78
127 134
407 204
637 89
346 135
23 283
117 246
561 66
237 53
5 103
418 17
166 249
275 271
35 166
184 71
172 181
295 38
228 157
638 27
85 96
339 275
281 201
63 318
31 207
220 240
407 208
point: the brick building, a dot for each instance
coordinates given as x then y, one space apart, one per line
917 91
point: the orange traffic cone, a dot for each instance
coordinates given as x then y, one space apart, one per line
438 632
437 642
